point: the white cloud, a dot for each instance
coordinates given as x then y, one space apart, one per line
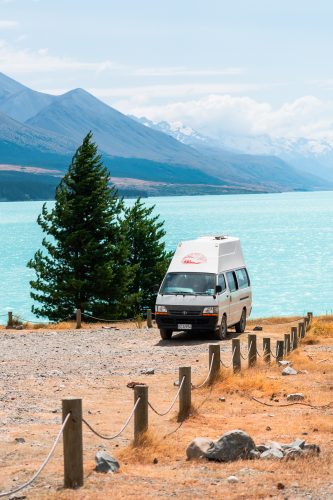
183 71
217 115
18 61
8 25
146 93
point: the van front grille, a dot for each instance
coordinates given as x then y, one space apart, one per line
182 312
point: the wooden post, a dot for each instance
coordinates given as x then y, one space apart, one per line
252 349
10 320
266 345
149 319
78 318
294 336
141 412
286 343
310 316
299 327
185 393
279 350
72 440
216 350
301 330
306 323
236 361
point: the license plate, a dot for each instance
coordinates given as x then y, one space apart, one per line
184 326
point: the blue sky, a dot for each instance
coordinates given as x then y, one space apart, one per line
258 66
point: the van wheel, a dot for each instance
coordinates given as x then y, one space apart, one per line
222 330
166 334
241 325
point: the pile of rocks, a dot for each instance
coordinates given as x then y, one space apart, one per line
237 444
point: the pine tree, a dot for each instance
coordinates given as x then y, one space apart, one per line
148 257
84 265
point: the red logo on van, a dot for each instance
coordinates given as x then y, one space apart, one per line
194 258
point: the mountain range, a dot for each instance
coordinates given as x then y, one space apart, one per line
39 134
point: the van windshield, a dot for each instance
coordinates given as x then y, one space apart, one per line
189 283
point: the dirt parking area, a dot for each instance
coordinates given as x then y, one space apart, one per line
41 367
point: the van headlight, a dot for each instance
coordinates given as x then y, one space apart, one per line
210 310
161 309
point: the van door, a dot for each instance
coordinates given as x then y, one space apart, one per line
233 299
223 298
244 290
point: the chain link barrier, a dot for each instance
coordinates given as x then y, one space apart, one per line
206 379
162 414
46 461
109 438
232 360
248 351
108 320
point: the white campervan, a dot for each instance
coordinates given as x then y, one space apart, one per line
206 287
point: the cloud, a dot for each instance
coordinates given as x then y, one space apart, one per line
146 93
18 61
183 71
8 25
217 115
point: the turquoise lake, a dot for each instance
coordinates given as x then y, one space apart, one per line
287 241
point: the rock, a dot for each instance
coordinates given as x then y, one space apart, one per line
311 449
297 396
149 371
284 362
233 479
268 428
272 453
275 445
292 453
20 440
258 328
176 383
254 454
19 327
289 371
155 461
198 448
106 463
261 448
280 486
231 446
303 372
222 398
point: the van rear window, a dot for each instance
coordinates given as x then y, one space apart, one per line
242 278
231 281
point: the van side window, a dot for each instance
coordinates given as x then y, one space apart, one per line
221 282
242 278
232 281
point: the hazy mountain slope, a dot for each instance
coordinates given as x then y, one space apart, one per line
8 86
76 112
24 104
12 131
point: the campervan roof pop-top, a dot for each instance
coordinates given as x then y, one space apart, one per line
206 287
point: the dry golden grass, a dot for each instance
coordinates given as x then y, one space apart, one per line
248 381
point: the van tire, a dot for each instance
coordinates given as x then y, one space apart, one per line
222 330
165 333
241 325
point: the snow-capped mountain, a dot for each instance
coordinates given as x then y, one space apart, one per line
309 155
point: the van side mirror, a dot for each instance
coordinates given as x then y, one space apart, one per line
156 287
218 289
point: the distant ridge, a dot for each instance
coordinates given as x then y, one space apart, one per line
38 129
